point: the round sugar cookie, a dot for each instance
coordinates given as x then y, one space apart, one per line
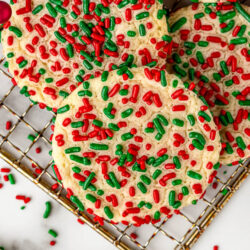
210 48
132 151
52 46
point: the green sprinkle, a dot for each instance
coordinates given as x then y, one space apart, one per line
108 212
127 113
162 119
224 67
91 198
242 30
160 160
156 174
176 58
149 130
178 122
23 64
229 26
51 10
157 215
194 175
199 15
76 169
47 210
179 71
163 79
216 76
241 144
191 74
203 43
200 57
52 233
158 126
242 11
224 191
110 183
142 188
114 180
96 146
104 93
131 33
177 163
216 166
142 15
70 50
123 92
142 30
85 28
148 205
78 203
227 16
16 31
98 123
79 159
63 109
11 179
176 182
229 83
177 204
191 120
113 127
228 148
240 40
178 24
88 181
197 144
189 45
126 136
72 150
10 55
104 76
100 192
77 124
61 10
171 198
194 202
37 9
198 136
145 179
244 103
184 190
31 137
49 80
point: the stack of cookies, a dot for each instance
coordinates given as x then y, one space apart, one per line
149 105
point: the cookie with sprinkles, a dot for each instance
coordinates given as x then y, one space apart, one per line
211 49
51 46
134 150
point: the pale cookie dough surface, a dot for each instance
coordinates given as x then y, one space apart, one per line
161 153
51 51
211 49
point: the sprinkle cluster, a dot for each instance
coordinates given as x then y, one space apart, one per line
129 150
211 48
52 46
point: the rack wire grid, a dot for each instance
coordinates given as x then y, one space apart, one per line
29 121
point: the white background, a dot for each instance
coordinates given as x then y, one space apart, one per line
27 230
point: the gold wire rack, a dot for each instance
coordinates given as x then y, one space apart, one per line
158 235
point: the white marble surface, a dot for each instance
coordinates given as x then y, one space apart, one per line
27 230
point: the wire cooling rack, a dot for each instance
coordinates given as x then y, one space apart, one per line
31 128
